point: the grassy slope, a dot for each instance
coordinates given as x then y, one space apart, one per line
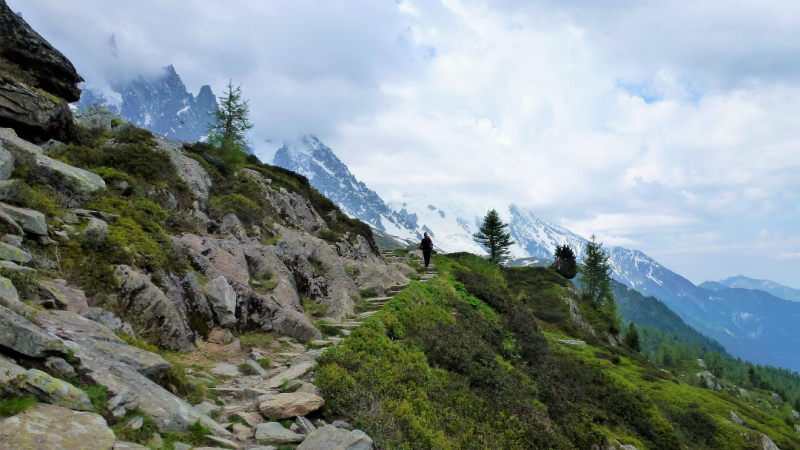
473 360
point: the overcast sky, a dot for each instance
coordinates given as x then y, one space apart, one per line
669 126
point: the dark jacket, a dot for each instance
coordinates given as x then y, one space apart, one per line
426 244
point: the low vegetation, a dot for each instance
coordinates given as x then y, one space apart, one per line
485 357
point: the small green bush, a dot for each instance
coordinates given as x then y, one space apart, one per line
245 209
13 405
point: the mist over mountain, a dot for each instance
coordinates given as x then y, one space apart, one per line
159 103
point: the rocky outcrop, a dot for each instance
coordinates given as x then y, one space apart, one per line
152 313
63 177
96 116
190 170
107 360
278 310
318 271
332 438
32 222
275 433
294 210
54 427
36 80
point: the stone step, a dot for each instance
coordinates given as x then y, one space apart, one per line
364 315
347 325
396 289
379 299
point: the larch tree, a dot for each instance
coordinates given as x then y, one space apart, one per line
231 122
494 237
632 338
595 274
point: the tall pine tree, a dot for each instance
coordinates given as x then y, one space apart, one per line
493 236
231 123
632 338
595 274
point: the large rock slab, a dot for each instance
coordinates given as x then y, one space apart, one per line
11 372
332 438
285 406
56 392
55 428
93 342
72 299
49 171
222 298
274 433
107 360
6 164
292 373
31 221
11 253
152 313
22 336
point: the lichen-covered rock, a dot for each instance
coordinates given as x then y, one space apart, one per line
307 256
285 406
10 253
222 298
6 164
767 443
53 427
56 392
264 264
190 170
96 231
735 419
152 313
10 372
31 221
66 297
110 321
332 438
294 209
96 116
81 183
22 336
10 189
275 433
201 317
233 226
8 293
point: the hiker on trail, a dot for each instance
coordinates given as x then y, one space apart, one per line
426 246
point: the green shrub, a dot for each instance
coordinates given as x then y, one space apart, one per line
245 209
327 236
13 405
367 293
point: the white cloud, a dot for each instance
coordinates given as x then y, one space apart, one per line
664 125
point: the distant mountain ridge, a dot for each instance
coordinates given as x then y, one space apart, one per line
159 103
740 281
752 324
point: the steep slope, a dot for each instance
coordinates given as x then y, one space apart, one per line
771 287
159 103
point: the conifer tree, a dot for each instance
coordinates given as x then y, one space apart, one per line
231 122
564 263
493 236
632 338
595 274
